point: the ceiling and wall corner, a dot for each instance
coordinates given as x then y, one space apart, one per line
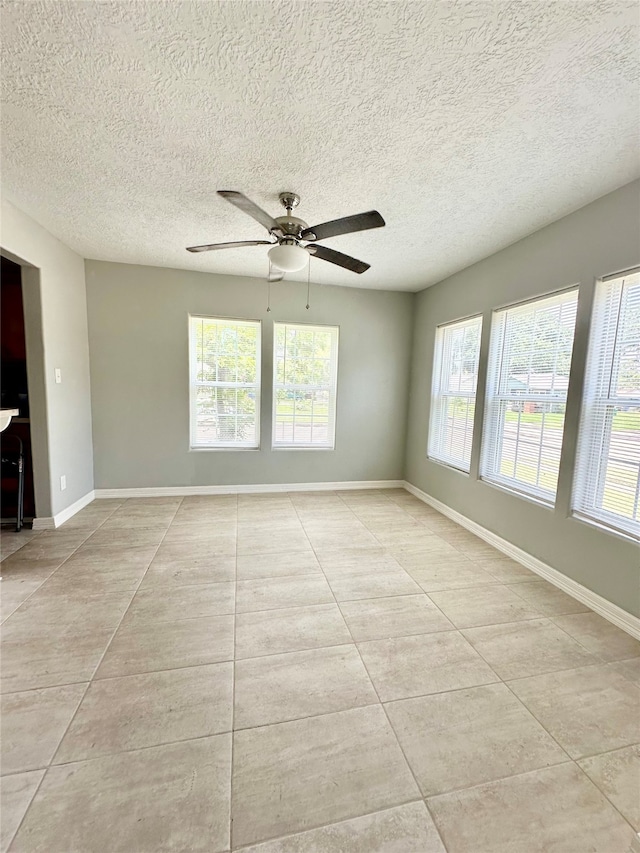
468 125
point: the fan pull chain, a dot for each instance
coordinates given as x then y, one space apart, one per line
269 288
308 282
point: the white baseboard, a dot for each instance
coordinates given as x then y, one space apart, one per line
627 621
52 522
250 489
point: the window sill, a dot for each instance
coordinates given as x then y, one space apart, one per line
534 499
448 465
222 449
605 528
299 447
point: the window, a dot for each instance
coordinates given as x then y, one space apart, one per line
453 395
607 480
224 359
305 365
527 382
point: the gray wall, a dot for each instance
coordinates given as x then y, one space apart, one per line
598 239
140 378
56 336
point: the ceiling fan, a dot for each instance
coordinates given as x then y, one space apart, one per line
292 239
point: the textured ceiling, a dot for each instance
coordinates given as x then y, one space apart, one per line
467 125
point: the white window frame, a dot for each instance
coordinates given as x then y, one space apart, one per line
195 383
491 450
332 388
440 396
599 406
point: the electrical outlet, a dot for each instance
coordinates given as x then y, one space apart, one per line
58 374
63 482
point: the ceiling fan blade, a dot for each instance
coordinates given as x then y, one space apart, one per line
247 206
346 225
338 258
211 246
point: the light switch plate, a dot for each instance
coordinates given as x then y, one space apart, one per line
58 376
63 482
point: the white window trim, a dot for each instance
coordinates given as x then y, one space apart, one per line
332 389
194 384
438 396
489 470
584 500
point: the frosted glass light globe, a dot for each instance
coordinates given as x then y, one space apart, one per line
288 258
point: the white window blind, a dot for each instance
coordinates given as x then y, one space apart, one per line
305 365
453 392
224 363
527 382
607 479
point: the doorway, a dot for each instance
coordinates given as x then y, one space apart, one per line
15 392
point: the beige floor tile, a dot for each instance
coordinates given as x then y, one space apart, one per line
617 774
11 541
599 636
450 574
252 566
159 604
215 541
59 610
131 521
270 632
629 668
16 792
294 776
377 585
14 593
357 561
136 711
588 710
505 569
149 647
107 558
466 737
275 593
548 599
178 566
50 545
322 543
90 578
557 809
284 687
520 649
403 829
398 616
33 724
16 567
267 526
32 658
122 538
432 550
426 663
404 538
483 605
173 797
274 542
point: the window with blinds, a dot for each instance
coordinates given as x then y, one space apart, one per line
607 478
453 392
224 364
305 367
527 382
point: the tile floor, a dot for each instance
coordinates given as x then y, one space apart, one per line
313 672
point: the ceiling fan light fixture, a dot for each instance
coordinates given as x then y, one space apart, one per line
288 257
